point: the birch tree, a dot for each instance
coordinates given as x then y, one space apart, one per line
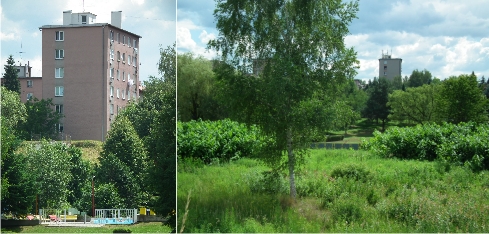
282 64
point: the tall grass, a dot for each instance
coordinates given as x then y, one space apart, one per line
339 191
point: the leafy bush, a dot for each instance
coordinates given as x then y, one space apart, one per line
334 138
122 230
464 143
224 139
352 171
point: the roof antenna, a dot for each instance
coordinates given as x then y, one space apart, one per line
83 5
21 52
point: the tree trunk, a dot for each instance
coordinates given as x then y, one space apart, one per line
291 157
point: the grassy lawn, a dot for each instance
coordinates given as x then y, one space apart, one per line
156 227
339 191
91 149
363 129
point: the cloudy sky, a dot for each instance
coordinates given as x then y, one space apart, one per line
153 20
446 37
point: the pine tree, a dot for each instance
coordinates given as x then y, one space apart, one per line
12 82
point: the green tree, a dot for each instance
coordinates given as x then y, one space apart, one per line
419 78
41 119
50 162
162 144
196 89
14 112
415 104
300 59
377 102
154 120
460 100
397 83
82 172
20 195
12 82
123 162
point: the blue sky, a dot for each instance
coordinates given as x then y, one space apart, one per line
446 37
153 20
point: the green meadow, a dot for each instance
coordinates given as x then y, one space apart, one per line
338 191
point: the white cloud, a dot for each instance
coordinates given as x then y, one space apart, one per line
206 37
184 39
8 36
189 24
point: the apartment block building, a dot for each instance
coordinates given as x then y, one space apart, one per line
30 87
389 67
90 70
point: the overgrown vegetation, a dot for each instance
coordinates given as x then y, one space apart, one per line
338 191
221 140
463 143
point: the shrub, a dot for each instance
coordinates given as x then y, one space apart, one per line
223 139
464 143
334 138
351 171
122 230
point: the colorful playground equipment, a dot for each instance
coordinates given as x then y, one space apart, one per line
115 216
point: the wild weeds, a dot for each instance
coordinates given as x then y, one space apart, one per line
339 191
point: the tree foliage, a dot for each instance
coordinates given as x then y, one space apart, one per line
461 100
162 143
41 119
50 162
196 89
297 54
18 181
377 102
419 78
415 104
123 162
154 120
12 82
13 110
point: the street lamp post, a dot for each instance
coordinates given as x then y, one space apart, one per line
93 199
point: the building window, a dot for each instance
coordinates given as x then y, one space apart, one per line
123 95
385 67
84 19
385 73
123 57
60 36
128 95
59 72
117 92
123 39
123 76
118 38
59 54
58 127
129 41
128 77
58 91
112 73
118 56
134 44
111 91
135 61
111 109
29 84
29 96
129 60
111 35
112 54
118 74
385 61
59 109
